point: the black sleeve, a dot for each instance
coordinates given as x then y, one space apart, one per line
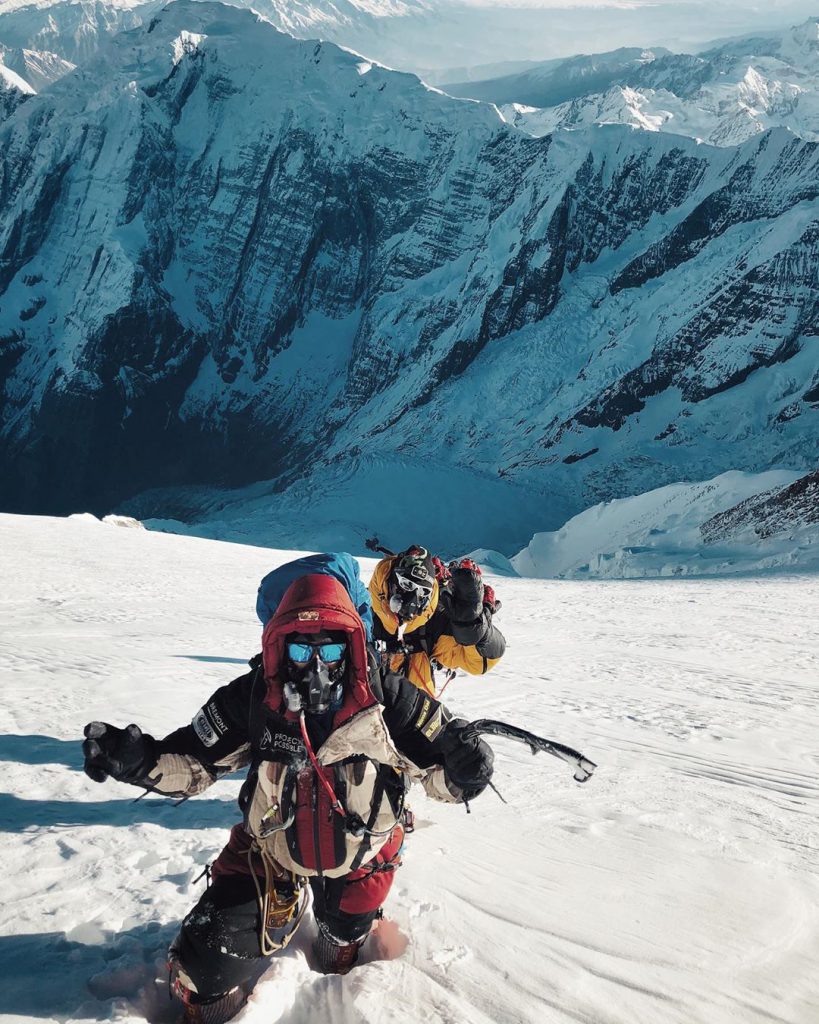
414 720
221 726
476 633
493 643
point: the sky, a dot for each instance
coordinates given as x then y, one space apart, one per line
682 25
755 9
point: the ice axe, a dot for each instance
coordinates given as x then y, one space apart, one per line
373 544
583 767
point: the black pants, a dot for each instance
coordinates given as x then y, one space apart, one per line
218 944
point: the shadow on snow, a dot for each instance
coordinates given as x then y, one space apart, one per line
41 750
51 975
18 814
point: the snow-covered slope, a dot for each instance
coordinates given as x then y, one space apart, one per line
37 68
724 95
229 256
72 29
788 510
342 505
736 523
678 885
14 91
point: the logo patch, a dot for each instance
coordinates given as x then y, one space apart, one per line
433 726
308 616
202 728
291 743
216 718
281 741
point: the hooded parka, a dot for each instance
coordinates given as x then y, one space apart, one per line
384 734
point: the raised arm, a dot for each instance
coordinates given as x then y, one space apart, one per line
187 761
473 643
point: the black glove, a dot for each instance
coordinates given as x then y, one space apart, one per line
463 601
126 755
467 758
465 589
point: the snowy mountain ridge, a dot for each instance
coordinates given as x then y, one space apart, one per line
14 90
12 82
286 264
37 68
723 96
415 35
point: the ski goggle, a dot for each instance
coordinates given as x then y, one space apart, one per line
328 653
423 589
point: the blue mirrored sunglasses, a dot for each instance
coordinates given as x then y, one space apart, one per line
302 653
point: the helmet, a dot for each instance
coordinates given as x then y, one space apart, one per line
315 667
410 583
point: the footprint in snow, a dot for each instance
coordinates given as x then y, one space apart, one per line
422 909
449 955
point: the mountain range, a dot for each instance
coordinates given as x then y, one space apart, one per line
249 276
723 95
424 36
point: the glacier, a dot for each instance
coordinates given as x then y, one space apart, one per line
736 524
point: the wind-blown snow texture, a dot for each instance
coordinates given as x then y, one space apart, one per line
679 885
227 255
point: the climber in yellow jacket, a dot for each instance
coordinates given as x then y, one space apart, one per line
424 616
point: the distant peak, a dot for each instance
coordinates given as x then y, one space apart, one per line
10 80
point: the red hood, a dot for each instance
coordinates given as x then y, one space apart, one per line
315 604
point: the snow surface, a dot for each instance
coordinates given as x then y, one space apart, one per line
679 886
345 504
11 80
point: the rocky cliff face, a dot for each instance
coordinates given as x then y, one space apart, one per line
228 256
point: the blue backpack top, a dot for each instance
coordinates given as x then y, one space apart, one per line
339 564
